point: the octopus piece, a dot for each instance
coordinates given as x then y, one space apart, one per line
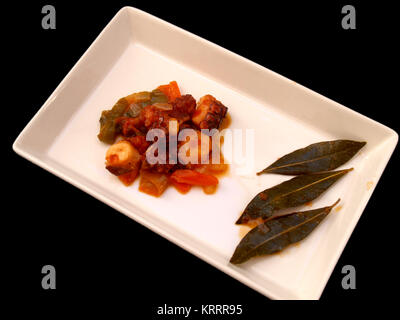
185 104
209 113
129 126
155 118
122 158
158 117
150 115
140 143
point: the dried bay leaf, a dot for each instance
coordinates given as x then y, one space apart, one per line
322 156
290 193
276 234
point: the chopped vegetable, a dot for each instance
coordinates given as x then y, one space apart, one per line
138 97
171 90
128 178
134 109
153 183
163 106
194 178
108 128
181 187
157 96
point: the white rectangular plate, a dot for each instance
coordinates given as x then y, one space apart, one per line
136 52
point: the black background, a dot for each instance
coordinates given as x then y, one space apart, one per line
104 257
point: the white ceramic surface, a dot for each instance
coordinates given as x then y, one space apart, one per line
136 52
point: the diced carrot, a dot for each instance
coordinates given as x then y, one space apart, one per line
171 90
194 178
213 168
181 187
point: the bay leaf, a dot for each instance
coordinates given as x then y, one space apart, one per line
276 234
291 193
322 156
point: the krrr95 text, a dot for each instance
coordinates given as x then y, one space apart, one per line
205 309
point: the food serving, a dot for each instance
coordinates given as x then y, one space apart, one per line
166 139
